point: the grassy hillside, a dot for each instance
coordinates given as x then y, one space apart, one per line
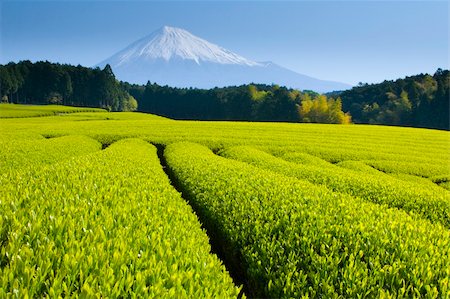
290 209
19 111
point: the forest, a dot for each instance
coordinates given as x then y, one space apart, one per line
417 101
252 102
52 83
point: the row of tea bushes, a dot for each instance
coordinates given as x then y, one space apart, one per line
19 111
290 238
107 224
433 204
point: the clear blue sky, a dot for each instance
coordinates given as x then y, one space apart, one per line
344 41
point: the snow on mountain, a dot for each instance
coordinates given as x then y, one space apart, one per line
175 57
169 43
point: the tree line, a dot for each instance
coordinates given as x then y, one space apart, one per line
51 83
251 102
418 101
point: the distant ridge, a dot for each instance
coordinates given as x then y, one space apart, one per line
175 57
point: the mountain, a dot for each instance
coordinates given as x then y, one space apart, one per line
175 57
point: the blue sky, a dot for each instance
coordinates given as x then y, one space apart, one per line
345 41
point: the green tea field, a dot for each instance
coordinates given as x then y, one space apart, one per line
97 204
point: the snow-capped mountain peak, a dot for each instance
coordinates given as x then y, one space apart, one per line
170 43
175 57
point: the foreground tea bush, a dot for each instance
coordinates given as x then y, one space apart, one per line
108 224
22 156
291 238
432 203
30 153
